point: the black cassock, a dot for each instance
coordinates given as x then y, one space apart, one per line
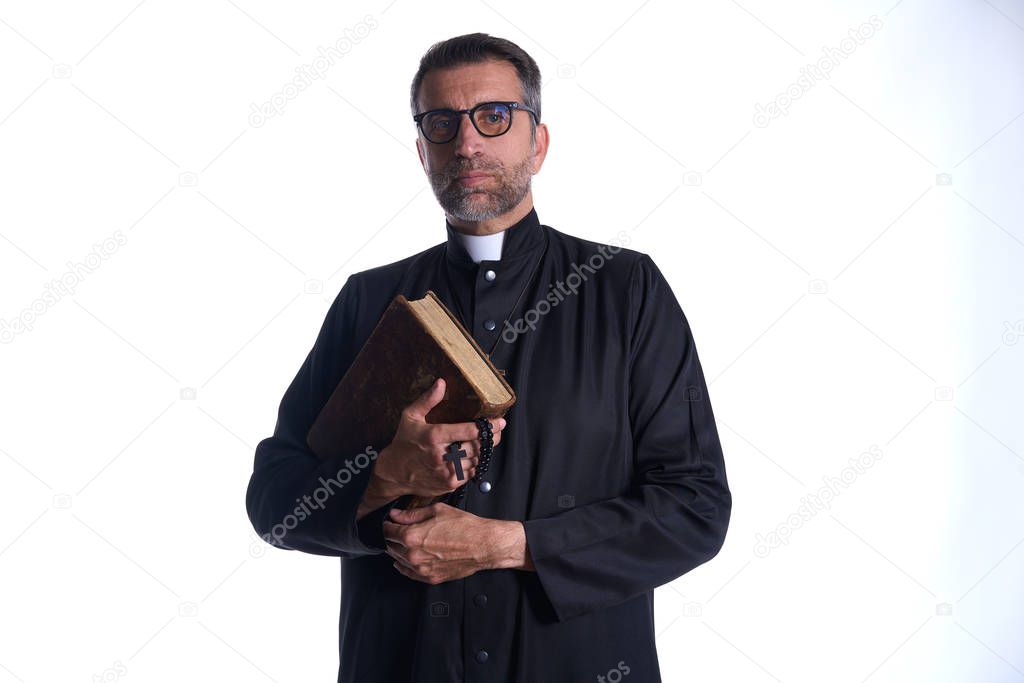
611 458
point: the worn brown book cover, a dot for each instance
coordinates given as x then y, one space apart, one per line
413 343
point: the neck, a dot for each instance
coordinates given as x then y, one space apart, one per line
496 224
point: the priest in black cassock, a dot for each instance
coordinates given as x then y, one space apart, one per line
605 480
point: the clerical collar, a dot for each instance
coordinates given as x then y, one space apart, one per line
520 239
482 247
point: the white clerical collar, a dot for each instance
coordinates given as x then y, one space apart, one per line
483 247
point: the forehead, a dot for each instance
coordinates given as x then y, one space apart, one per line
461 87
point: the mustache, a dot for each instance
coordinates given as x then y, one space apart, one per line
449 175
455 171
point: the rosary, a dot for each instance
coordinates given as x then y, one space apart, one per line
455 455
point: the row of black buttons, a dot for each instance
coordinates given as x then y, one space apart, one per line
489 324
480 599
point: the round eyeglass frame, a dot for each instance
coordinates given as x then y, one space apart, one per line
418 118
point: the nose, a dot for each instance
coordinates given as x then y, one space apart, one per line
467 140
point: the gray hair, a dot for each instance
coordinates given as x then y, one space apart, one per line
474 48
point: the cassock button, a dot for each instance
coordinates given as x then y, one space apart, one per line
485 486
490 275
481 656
489 325
480 600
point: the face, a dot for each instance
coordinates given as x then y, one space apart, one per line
509 161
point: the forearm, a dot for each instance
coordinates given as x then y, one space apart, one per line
296 502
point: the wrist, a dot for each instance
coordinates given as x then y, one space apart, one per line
379 492
383 487
510 550
381 481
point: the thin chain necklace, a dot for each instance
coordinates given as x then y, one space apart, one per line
458 306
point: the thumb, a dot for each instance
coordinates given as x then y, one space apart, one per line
419 408
411 516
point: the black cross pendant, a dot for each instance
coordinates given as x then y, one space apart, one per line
455 455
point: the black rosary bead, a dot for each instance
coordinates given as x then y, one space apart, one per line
483 425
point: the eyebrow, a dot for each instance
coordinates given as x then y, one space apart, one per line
491 99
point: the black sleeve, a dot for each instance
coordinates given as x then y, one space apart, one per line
675 515
295 500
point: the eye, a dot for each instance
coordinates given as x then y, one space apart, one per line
440 120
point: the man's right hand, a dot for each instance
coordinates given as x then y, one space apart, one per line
414 460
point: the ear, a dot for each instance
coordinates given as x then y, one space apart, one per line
419 151
541 148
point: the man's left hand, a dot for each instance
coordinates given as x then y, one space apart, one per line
441 543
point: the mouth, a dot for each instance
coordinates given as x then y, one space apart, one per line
473 178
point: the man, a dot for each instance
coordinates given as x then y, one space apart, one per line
607 477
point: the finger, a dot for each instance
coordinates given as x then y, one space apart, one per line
397 552
408 573
470 448
497 423
496 432
392 532
469 466
413 516
419 408
445 433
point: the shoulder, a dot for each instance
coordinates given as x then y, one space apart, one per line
624 264
628 276
388 276
366 293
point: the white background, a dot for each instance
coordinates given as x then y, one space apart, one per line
851 272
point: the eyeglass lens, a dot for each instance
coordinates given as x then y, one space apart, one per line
490 120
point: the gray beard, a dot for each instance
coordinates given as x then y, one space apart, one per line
474 204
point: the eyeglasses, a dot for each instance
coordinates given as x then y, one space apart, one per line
490 119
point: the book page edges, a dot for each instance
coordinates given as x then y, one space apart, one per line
496 408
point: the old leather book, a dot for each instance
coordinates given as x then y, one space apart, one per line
413 343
